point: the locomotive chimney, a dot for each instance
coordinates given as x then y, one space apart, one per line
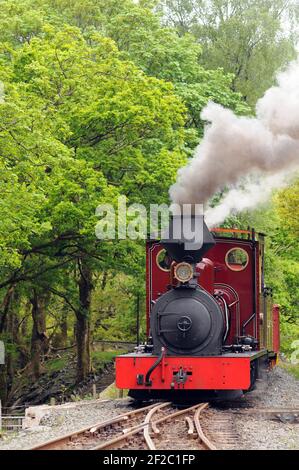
188 238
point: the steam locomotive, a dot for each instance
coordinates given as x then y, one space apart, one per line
211 324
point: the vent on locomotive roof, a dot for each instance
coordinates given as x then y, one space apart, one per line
187 238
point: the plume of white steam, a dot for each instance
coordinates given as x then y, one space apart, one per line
247 195
279 108
234 147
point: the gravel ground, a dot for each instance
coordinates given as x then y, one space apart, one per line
62 421
264 434
278 389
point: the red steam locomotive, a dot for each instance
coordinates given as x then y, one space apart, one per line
211 324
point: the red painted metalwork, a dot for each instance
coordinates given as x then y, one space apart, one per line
239 283
157 279
231 297
276 330
231 230
238 289
206 274
203 373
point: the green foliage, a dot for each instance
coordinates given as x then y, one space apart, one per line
292 368
56 365
282 261
251 39
139 35
287 207
102 358
103 99
116 314
79 127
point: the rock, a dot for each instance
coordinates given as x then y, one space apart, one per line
33 416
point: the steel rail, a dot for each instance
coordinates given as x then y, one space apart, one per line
146 432
199 430
131 432
148 425
56 443
198 409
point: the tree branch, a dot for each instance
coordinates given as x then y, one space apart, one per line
63 296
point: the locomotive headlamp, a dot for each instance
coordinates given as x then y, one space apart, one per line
183 272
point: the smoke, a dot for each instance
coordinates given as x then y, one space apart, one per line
236 147
246 195
279 108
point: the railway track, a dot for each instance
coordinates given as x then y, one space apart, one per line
164 427
158 426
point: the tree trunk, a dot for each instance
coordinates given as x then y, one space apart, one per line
3 384
23 333
6 370
63 327
11 355
4 309
24 323
83 322
12 331
39 339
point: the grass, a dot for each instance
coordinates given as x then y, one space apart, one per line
112 392
57 364
101 358
291 368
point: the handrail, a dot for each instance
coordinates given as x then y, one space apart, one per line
230 230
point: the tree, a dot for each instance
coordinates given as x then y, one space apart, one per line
138 33
162 53
281 260
101 100
80 126
39 339
251 39
287 207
